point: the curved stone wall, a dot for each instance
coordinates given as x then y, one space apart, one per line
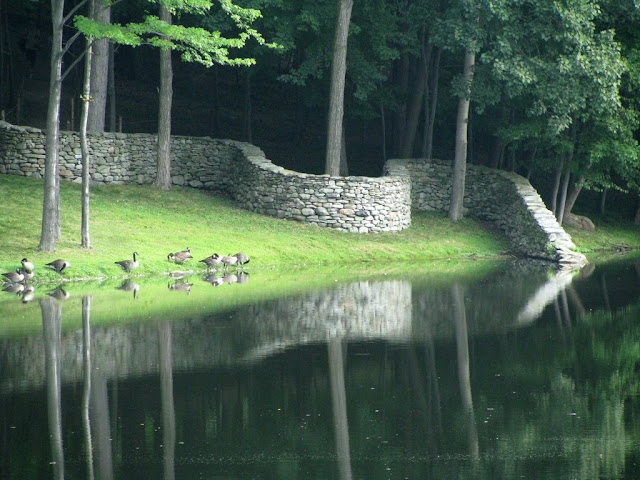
504 198
354 204
236 169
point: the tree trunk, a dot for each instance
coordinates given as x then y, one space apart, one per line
556 185
462 122
246 127
163 178
430 113
603 201
636 218
344 165
84 147
99 69
573 196
563 194
336 95
50 206
400 117
111 90
415 105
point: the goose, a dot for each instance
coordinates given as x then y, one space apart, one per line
128 265
14 277
243 258
28 275
27 265
181 256
58 265
212 261
213 279
228 260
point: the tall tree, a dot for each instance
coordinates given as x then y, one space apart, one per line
163 176
99 68
84 146
462 123
336 94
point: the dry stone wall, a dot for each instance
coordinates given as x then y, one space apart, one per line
354 204
236 169
504 198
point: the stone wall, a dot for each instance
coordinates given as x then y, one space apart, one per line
355 204
236 169
504 198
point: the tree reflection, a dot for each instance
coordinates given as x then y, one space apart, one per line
165 340
86 394
339 403
51 326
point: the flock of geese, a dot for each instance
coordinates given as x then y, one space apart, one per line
17 281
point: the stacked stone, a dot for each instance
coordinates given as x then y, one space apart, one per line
504 198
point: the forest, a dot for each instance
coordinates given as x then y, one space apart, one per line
550 86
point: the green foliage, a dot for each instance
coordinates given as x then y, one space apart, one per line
196 44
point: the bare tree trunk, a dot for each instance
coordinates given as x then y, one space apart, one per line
430 113
415 104
563 194
84 147
336 95
344 165
462 122
573 196
400 117
111 90
556 185
50 232
163 178
246 127
603 200
99 69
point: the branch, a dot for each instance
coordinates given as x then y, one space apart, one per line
73 64
73 10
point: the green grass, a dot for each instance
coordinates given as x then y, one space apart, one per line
153 223
609 235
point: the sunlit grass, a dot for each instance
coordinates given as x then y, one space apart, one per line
153 223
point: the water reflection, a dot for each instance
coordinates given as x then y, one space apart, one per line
378 378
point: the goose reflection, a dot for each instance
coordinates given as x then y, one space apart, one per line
180 285
59 293
16 288
214 279
129 286
29 293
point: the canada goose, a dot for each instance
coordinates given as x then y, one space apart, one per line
27 265
58 265
181 256
14 277
212 261
28 275
128 265
243 258
228 260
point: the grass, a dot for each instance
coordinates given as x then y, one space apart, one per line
153 223
610 234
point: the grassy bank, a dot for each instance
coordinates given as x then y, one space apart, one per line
153 223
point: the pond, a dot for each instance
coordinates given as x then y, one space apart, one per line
485 371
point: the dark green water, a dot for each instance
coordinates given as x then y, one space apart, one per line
518 373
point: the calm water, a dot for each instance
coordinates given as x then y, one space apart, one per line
516 373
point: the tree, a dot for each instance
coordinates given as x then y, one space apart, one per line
99 68
84 147
163 176
336 94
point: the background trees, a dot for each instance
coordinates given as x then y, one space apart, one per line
553 97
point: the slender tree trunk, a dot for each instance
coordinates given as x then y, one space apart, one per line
573 196
563 194
430 113
556 185
163 179
84 147
462 122
111 90
383 126
50 232
415 104
336 95
603 201
247 106
99 69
